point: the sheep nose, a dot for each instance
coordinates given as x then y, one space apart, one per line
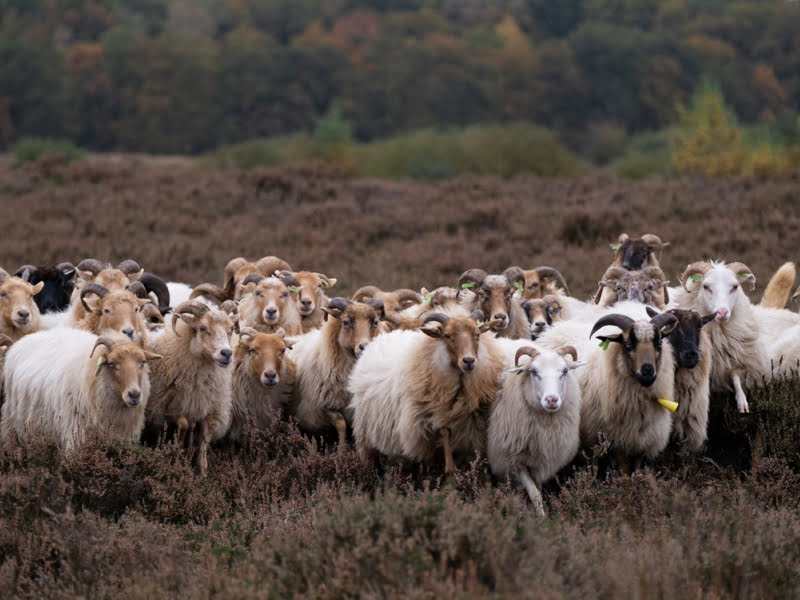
128 331
269 378
690 356
648 370
362 346
468 362
722 313
499 315
226 353
134 394
23 313
540 324
271 312
305 303
551 401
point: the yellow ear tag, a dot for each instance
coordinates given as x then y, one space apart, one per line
670 405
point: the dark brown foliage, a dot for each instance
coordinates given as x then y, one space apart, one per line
283 515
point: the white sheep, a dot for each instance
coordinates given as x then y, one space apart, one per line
416 391
192 385
738 353
64 381
534 427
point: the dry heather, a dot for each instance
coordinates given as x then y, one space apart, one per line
282 515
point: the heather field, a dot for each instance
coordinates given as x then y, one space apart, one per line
287 516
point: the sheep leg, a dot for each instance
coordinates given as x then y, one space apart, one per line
201 454
449 465
741 399
338 421
533 492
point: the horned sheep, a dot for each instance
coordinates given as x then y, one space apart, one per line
267 305
534 427
56 384
495 296
19 315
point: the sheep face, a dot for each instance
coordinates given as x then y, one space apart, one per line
357 322
634 254
311 292
262 354
443 297
640 343
269 300
541 313
395 301
125 364
117 312
685 338
210 330
547 374
59 282
542 281
17 306
494 293
719 286
460 336
648 286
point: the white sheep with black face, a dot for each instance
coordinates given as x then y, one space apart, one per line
534 427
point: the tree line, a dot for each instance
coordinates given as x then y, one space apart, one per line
185 76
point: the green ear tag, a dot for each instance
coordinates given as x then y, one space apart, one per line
469 284
519 286
294 290
604 344
743 275
695 278
615 247
428 298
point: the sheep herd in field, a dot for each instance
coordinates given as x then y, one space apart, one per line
507 364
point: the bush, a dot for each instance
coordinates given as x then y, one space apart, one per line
30 149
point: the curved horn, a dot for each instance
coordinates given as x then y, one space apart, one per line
665 320
210 290
338 303
617 320
743 273
229 306
92 265
404 295
568 350
525 351
280 273
252 278
67 268
290 280
654 241
25 272
129 267
515 275
552 273
623 237
137 289
696 268
367 291
475 276
269 264
92 288
438 317
192 308
102 341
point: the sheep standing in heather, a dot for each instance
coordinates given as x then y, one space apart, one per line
738 353
64 381
324 360
416 391
534 428
19 315
263 380
192 385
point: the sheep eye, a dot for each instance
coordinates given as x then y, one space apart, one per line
107 311
535 284
111 365
447 336
284 294
144 362
252 351
535 373
374 324
259 294
734 287
347 323
203 329
3 295
564 372
707 288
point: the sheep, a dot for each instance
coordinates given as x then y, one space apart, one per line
648 286
19 315
92 270
192 385
324 359
56 384
263 380
738 353
534 426
442 299
779 287
625 382
543 281
234 275
542 313
692 354
113 312
495 298
268 306
634 254
414 391
59 281
309 294
393 302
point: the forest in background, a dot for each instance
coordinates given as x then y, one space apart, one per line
594 78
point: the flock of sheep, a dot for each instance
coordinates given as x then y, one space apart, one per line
506 364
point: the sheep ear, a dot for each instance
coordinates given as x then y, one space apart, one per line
290 341
433 329
86 276
101 362
188 318
38 287
135 276
707 319
152 356
92 301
